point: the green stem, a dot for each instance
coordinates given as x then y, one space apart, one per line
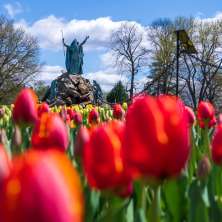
193 158
142 197
154 211
139 200
206 142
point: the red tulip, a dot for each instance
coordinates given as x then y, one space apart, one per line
42 186
49 131
25 110
220 118
217 145
43 108
68 119
65 115
118 112
102 156
71 113
212 122
82 138
5 164
190 115
206 114
93 117
157 137
77 118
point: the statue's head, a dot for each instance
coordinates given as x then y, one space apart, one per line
74 42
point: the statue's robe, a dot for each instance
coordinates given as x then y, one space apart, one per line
74 58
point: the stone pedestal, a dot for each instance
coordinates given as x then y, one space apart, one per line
70 89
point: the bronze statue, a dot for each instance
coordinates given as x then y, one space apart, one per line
71 87
74 56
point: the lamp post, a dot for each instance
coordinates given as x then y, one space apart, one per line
177 62
182 41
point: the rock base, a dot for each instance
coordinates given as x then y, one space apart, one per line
70 89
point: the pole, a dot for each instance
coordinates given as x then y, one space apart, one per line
177 63
62 43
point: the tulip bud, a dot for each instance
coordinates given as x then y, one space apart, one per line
43 108
93 117
217 145
50 131
206 110
212 122
71 113
118 112
190 115
206 114
125 106
204 168
220 119
82 138
42 186
25 110
77 118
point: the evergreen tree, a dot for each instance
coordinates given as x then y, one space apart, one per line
118 94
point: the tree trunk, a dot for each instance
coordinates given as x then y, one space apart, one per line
132 84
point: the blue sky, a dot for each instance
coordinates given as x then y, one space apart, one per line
143 11
97 18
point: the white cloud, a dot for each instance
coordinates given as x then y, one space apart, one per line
140 81
217 17
107 59
13 9
106 78
48 73
49 31
199 15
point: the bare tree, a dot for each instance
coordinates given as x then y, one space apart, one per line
198 74
162 56
202 70
19 58
129 51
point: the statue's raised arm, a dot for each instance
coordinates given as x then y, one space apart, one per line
84 41
63 41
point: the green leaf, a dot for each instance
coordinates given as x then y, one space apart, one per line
215 194
198 209
174 192
129 212
139 202
114 209
154 209
139 215
92 202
